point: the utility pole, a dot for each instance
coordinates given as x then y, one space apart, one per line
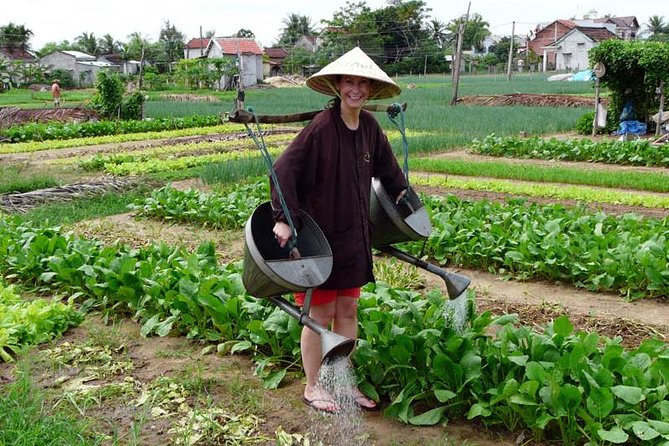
510 62
660 113
201 42
458 57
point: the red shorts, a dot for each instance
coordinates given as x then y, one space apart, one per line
322 297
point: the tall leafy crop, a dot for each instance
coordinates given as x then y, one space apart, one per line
636 153
596 251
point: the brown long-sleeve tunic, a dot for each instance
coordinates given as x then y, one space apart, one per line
327 171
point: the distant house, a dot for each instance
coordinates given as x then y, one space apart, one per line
124 66
82 66
490 41
571 50
273 61
626 27
546 36
247 53
309 43
16 56
195 48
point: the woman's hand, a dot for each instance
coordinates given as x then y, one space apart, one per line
282 233
400 196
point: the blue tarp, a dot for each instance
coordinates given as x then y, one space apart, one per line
632 126
585 75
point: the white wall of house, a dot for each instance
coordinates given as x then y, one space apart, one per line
572 51
82 67
250 66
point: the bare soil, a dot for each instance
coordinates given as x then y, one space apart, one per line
533 100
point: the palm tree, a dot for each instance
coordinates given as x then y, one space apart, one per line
87 43
107 45
15 37
476 30
437 32
296 26
656 25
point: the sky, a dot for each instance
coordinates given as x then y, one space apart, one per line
52 21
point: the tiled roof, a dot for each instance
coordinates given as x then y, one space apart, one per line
196 44
276 53
597 34
236 45
17 54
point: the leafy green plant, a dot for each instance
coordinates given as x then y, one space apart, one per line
229 210
596 251
636 153
24 323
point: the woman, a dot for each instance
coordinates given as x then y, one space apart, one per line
327 171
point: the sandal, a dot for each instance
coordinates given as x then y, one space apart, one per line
322 405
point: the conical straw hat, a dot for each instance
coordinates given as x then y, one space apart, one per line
354 63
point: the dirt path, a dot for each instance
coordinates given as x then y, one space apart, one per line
467 155
540 302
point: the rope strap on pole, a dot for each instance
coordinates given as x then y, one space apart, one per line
393 111
260 143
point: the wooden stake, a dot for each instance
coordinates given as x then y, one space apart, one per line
458 57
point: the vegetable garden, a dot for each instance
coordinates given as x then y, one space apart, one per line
123 319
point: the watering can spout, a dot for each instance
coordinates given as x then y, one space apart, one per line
333 345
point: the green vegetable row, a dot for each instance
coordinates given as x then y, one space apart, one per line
33 146
636 153
60 130
219 211
600 252
558 385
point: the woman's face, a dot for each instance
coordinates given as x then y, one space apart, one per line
354 90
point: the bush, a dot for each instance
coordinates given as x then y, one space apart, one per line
131 108
584 124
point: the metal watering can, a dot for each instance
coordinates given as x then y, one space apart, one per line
270 271
404 222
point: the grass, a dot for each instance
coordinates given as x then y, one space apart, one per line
644 181
27 420
233 171
85 208
25 98
16 179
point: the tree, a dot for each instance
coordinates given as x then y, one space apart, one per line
245 33
476 30
657 28
437 32
634 70
50 47
107 45
138 46
87 43
109 95
14 36
396 36
171 43
295 26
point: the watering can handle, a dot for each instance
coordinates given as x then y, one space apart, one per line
393 111
260 143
